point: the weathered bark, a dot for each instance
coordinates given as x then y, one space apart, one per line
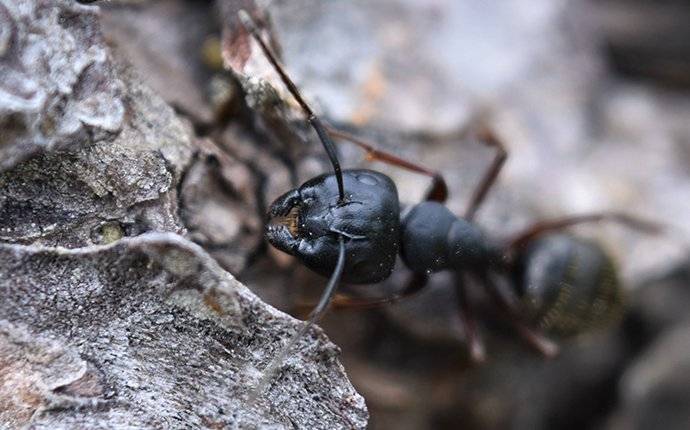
109 317
149 332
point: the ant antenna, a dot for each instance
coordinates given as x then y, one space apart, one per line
314 317
313 120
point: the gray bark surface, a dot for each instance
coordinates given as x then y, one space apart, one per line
109 316
149 332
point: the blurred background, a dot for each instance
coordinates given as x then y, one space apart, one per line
592 99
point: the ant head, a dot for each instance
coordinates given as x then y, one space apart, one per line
305 222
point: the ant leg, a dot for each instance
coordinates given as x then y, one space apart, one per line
509 308
489 179
438 190
469 322
415 284
542 227
313 120
314 317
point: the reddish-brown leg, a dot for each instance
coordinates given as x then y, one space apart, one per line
438 190
547 226
469 322
486 136
512 314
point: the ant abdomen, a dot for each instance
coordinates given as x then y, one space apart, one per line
568 285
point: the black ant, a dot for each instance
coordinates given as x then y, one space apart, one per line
349 225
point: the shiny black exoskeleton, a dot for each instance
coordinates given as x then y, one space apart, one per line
313 217
310 218
434 239
567 284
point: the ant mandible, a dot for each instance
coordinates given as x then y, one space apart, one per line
348 224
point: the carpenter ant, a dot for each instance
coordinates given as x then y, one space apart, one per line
348 224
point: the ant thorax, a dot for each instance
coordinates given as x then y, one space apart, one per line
434 239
